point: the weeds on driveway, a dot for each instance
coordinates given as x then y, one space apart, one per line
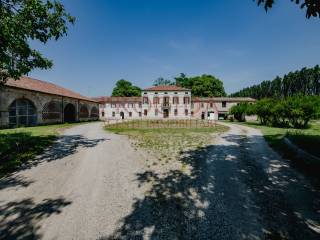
168 142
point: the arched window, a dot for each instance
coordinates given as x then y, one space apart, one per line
94 112
51 111
84 113
22 112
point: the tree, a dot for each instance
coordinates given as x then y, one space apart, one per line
294 111
183 81
303 82
162 82
207 86
202 86
125 88
22 21
239 112
312 6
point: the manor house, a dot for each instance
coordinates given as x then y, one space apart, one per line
167 102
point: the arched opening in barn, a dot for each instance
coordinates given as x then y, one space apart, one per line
69 113
83 112
51 112
94 112
22 112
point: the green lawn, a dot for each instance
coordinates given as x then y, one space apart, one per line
307 139
20 145
168 141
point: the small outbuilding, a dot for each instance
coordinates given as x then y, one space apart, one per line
29 102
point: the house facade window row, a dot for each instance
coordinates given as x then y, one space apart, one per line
166 103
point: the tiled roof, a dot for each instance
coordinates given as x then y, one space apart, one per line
44 87
166 88
118 99
223 99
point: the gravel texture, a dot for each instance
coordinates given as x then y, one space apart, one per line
94 185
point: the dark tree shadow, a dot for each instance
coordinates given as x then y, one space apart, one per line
19 219
67 145
21 151
14 181
229 194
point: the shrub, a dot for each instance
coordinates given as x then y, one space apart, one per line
241 110
294 111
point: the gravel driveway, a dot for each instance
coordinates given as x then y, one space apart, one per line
94 185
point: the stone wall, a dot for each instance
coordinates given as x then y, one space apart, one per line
40 101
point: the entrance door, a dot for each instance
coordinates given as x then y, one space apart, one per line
69 113
165 113
122 115
211 115
203 115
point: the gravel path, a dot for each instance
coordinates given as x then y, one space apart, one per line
93 185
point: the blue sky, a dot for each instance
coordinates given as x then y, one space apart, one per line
141 40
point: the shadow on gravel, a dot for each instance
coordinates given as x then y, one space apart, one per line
19 219
228 194
64 146
68 145
14 181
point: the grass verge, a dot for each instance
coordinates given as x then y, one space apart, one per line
20 145
307 139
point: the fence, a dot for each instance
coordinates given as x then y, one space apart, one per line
137 124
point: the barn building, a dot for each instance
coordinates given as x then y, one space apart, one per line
29 102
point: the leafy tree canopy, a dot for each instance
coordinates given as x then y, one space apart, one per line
162 82
202 86
125 88
312 6
22 21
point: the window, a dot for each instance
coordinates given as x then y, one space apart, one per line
145 93
155 93
123 105
145 112
224 104
130 114
102 113
165 93
175 93
113 105
202 105
186 100
145 100
130 105
140 105
192 113
176 112
156 100
113 114
140 114
186 112
211 105
175 100
156 112
187 93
